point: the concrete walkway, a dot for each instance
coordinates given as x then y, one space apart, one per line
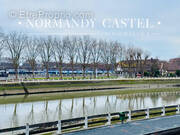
134 128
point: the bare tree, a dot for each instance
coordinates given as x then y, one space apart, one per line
84 52
109 55
146 55
15 44
130 57
59 51
106 56
141 58
115 49
46 52
121 55
95 55
1 48
2 41
138 59
32 52
71 45
135 60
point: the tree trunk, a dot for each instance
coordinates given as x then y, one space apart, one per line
94 72
108 73
16 72
47 73
95 65
72 68
115 69
33 71
60 71
83 69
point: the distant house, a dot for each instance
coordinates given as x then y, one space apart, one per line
173 65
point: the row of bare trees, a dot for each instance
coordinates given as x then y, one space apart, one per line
136 60
69 49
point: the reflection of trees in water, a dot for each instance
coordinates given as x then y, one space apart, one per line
107 104
120 103
31 115
170 97
154 99
44 116
135 101
166 97
94 105
138 100
115 104
46 111
110 104
82 105
72 107
58 111
142 103
15 117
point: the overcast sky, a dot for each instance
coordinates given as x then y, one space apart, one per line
164 45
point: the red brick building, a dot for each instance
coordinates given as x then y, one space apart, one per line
173 65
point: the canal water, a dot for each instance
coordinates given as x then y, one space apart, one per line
12 115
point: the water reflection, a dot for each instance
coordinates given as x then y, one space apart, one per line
12 115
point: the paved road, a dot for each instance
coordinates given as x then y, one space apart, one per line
135 128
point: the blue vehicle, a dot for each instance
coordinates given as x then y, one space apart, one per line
3 74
